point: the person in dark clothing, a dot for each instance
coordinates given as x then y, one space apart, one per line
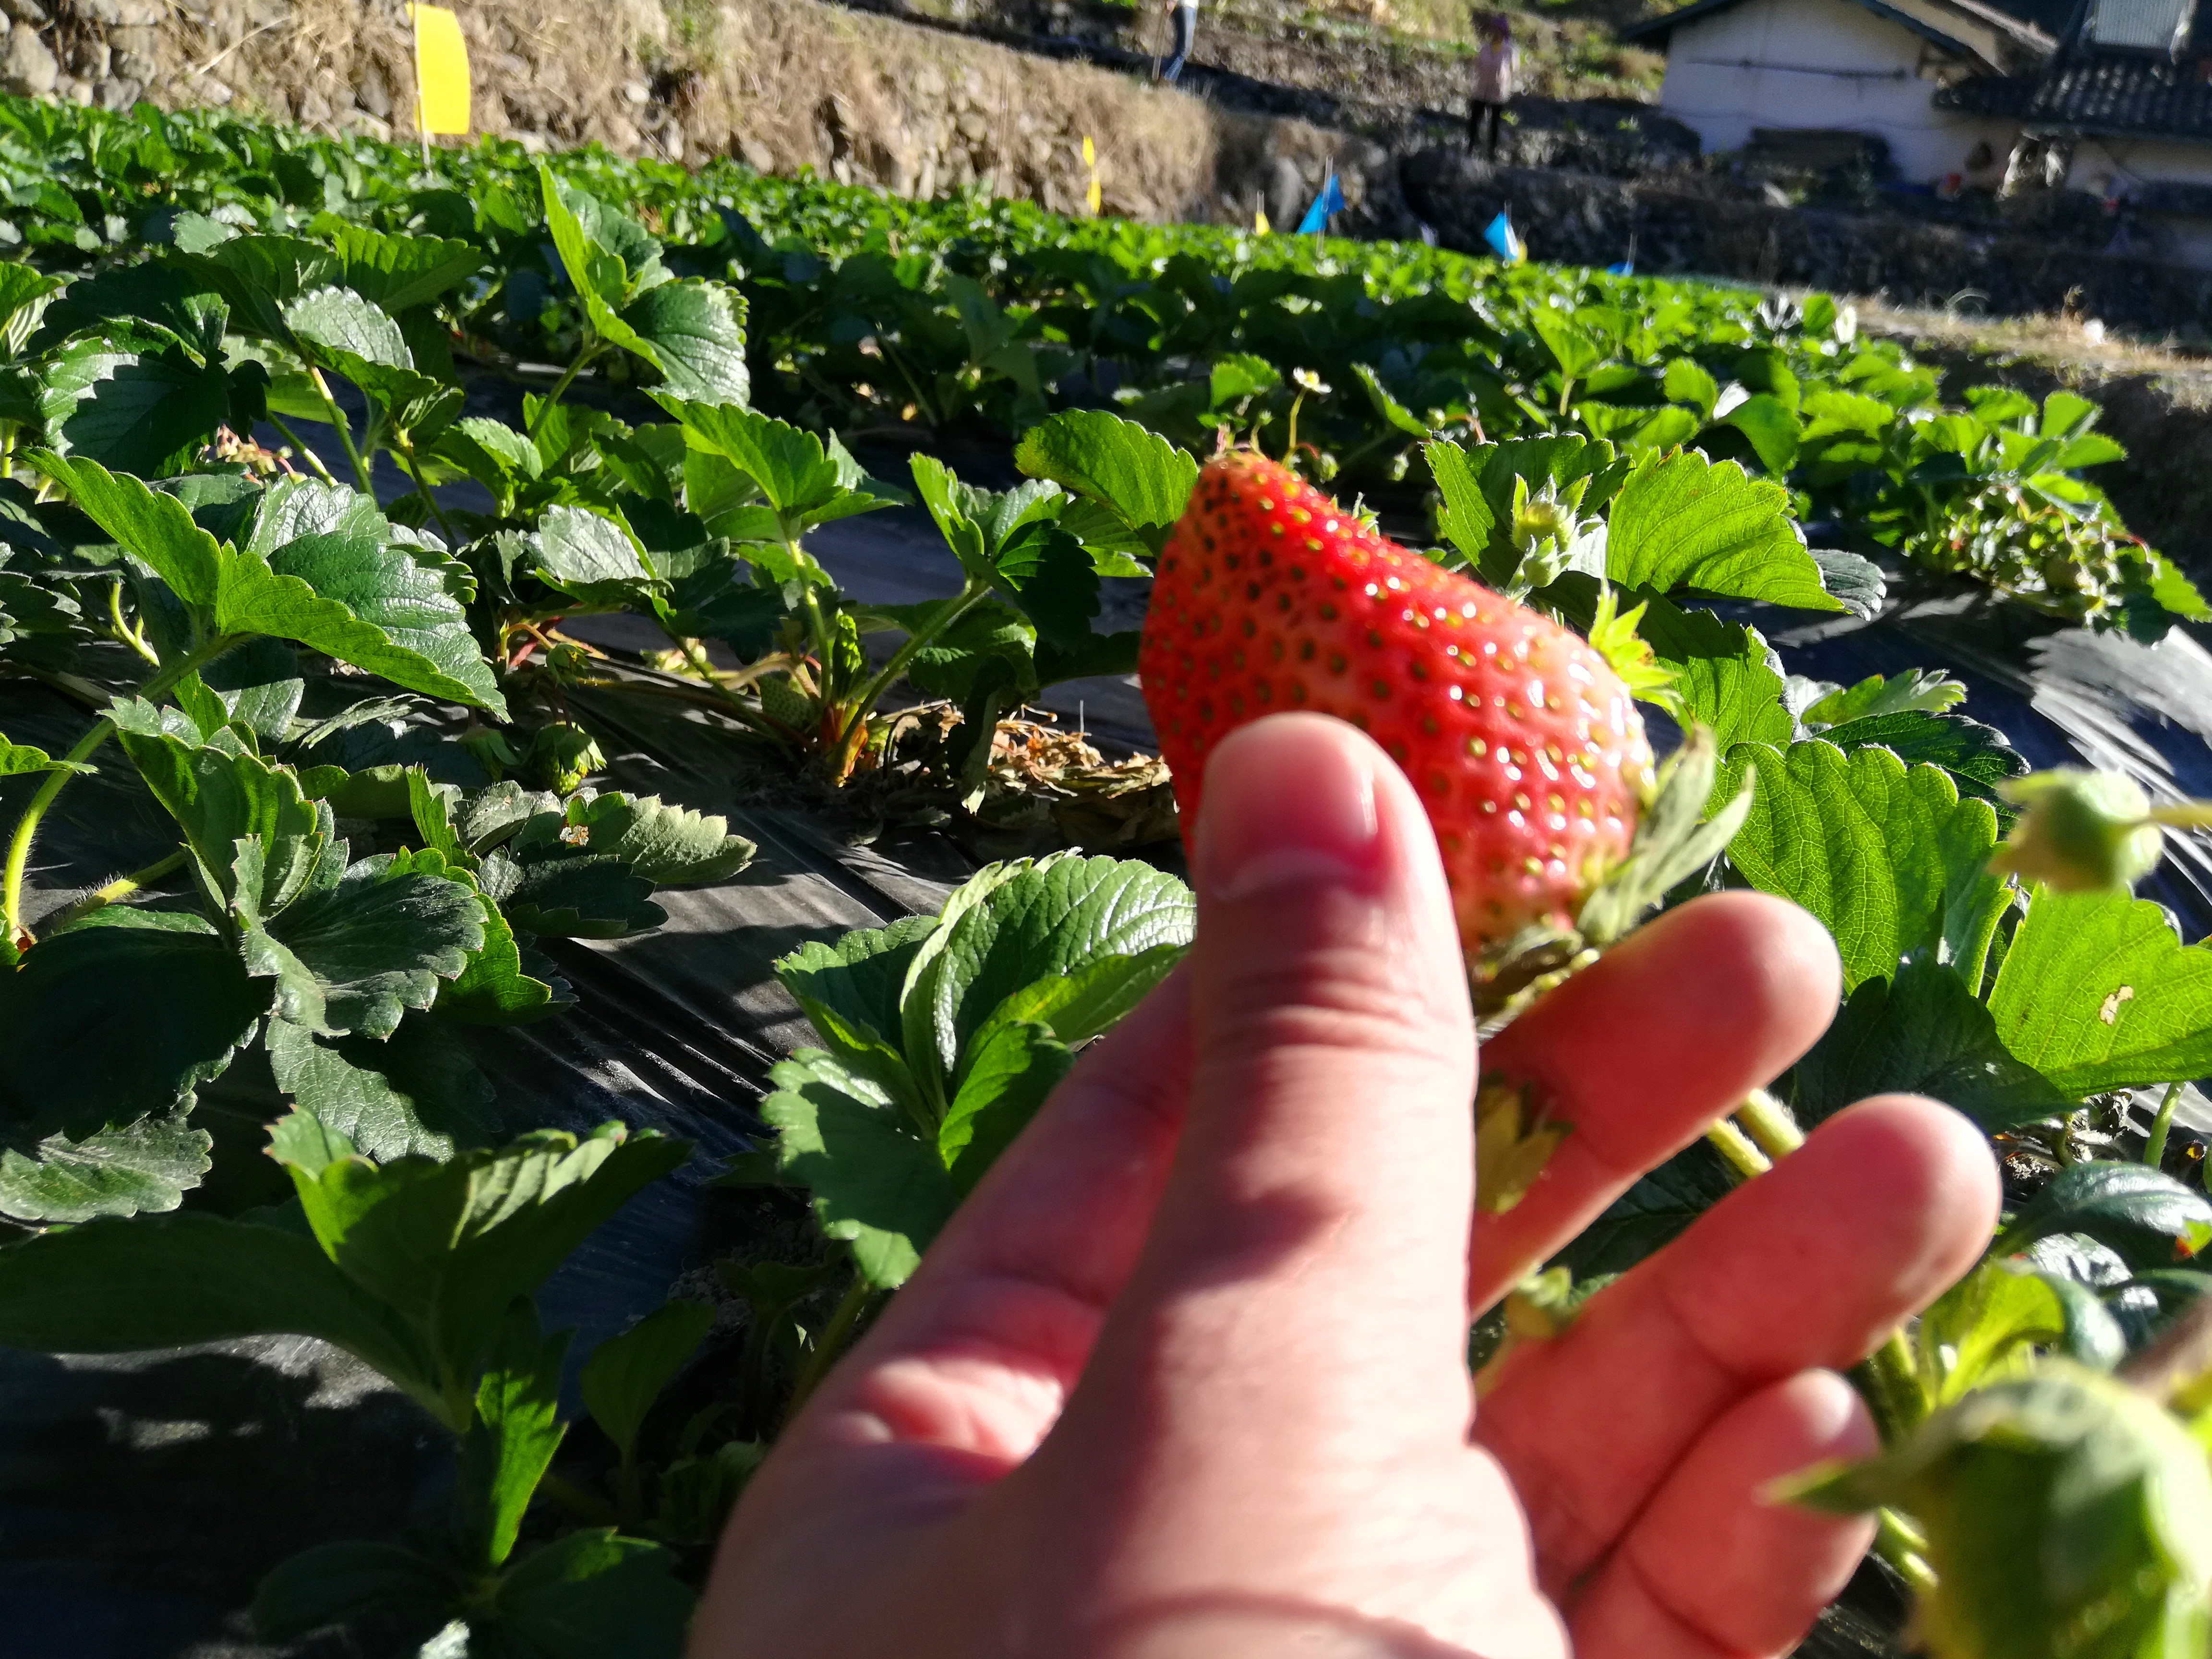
1185 16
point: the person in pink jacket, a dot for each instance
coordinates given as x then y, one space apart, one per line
1496 65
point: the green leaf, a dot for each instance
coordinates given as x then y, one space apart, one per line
334 1583
1977 757
1479 485
334 579
694 332
153 528
2097 993
1011 1069
1922 1033
130 1021
511 1442
1927 690
590 1595
626 1373
2055 1504
1391 411
148 414
668 846
220 798
1989 1325
1888 857
144 1166
1136 474
339 319
416 1092
1650 1214
113 1287
397 272
355 956
22 760
1574 349
1046 920
493 990
591 557
583 898
451 1246
1771 427
876 1184
803 483
1683 522
1726 674
861 977
2145 1214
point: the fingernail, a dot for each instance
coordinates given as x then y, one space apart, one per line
1289 804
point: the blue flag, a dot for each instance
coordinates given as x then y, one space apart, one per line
1329 201
1503 241
1625 268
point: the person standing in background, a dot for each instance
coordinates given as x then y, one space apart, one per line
1184 14
1495 66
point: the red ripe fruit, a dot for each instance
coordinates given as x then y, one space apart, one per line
1523 742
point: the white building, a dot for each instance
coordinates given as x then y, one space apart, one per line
1869 66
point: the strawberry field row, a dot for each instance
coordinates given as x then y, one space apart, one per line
378 749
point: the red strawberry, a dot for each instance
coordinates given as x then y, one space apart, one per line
1524 744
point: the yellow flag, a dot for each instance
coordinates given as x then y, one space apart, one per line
441 71
1092 196
1259 225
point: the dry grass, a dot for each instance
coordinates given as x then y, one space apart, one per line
786 84
2077 347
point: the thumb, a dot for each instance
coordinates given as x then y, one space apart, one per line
1304 1277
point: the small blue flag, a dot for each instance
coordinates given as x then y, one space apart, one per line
1503 241
1329 201
1625 268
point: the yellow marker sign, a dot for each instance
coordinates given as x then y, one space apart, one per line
441 71
1259 225
1092 196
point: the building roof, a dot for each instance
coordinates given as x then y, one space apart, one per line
1927 19
2108 96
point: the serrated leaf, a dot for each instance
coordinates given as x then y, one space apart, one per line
1050 919
328 575
586 896
333 1582
451 1246
876 1184
147 414
1132 472
154 527
2096 991
1888 857
668 846
1650 1214
1922 1032
355 956
220 798
1977 757
803 483
418 1093
397 272
862 976
694 332
147 1165
22 760
342 320
493 989
130 1022
1683 522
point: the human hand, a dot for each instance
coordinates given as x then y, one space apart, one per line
1187 1375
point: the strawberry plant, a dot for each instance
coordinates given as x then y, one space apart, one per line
362 700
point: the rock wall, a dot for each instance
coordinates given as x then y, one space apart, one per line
1696 227
784 84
